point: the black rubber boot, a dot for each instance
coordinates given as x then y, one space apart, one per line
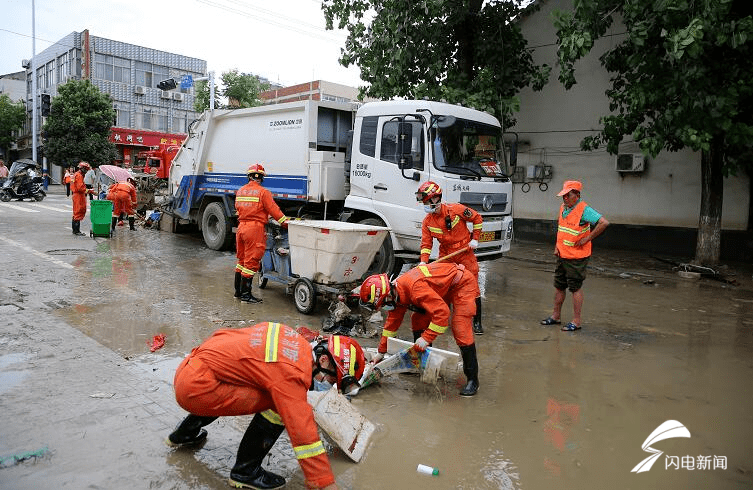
238 280
114 222
77 228
131 221
246 294
477 328
259 438
470 369
189 432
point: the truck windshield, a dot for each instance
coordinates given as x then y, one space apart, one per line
466 147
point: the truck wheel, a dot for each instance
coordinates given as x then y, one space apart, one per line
304 295
215 227
4 196
38 196
384 260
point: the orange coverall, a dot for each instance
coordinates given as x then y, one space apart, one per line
123 197
79 192
432 288
254 205
249 370
457 237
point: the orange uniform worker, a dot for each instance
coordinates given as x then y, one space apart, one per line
429 290
79 191
265 370
67 181
123 197
254 205
447 223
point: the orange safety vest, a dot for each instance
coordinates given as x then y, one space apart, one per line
569 231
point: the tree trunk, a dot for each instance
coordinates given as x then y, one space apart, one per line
708 245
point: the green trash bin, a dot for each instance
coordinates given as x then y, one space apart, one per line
101 216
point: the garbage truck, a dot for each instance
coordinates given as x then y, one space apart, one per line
358 163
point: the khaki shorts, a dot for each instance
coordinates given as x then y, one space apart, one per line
570 274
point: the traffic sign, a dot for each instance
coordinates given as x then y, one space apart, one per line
186 81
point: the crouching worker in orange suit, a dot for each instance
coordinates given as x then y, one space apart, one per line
123 197
429 290
79 191
264 370
254 205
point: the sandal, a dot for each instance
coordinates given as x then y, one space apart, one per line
550 321
570 327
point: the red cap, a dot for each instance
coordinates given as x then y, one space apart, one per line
570 185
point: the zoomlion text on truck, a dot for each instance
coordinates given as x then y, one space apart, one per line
325 160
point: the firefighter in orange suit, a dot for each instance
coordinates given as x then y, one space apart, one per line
79 191
254 205
123 197
264 370
447 223
429 290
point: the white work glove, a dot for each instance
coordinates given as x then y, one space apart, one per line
421 344
377 358
473 244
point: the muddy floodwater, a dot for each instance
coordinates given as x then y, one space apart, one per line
564 410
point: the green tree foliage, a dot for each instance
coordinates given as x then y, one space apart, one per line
462 51
240 89
12 117
681 78
78 126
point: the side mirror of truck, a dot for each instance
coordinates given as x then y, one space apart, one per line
154 163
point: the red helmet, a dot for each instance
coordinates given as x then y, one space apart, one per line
374 290
346 356
427 191
256 168
84 165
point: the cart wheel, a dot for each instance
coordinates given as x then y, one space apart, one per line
262 280
304 295
91 233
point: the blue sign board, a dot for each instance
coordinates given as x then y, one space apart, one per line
186 81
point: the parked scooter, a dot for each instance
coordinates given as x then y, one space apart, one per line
24 181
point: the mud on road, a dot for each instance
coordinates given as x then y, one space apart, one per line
555 409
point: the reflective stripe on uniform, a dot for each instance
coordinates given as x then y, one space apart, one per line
436 328
455 221
478 226
272 417
425 251
438 231
388 333
309 450
283 219
247 199
273 337
352 362
424 270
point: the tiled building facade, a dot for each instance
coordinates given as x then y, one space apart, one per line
127 72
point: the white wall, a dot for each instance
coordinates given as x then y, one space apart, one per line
554 121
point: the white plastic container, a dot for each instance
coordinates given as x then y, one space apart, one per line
332 252
427 470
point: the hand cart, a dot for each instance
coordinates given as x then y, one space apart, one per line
319 258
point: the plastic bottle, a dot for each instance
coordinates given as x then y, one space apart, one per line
427 470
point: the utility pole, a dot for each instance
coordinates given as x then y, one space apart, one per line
33 85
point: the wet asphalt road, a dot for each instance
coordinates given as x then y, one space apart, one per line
555 409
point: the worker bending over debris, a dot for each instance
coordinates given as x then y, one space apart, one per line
123 197
264 370
429 290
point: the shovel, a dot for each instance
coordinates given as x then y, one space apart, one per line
450 255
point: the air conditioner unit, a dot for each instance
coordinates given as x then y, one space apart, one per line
630 162
178 96
139 89
166 94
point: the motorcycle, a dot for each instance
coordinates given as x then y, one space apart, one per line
24 181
